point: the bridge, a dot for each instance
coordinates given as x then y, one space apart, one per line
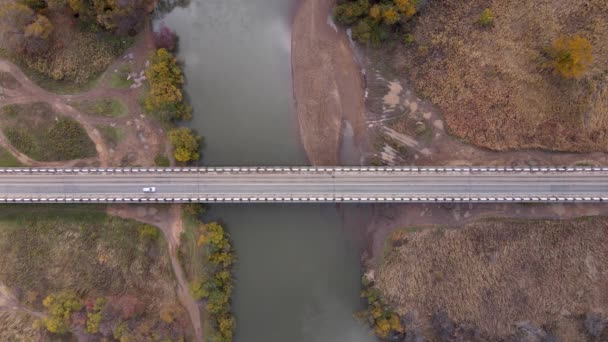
304 184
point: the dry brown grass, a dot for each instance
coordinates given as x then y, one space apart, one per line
494 274
491 82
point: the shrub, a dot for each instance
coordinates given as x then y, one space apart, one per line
571 56
185 144
486 18
162 160
148 232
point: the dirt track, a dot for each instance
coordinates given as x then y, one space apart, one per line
327 82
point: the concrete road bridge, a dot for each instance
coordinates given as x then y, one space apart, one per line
304 184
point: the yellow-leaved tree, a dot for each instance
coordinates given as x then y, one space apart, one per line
185 144
571 56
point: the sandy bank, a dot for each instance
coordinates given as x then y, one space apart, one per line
327 82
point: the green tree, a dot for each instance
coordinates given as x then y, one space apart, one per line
185 144
571 56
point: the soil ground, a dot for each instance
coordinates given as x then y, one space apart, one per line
499 279
328 84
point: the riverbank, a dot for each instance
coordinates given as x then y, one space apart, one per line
328 84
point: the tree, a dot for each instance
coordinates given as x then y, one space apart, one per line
165 38
571 56
165 97
185 144
406 7
349 12
390 15
23 30
60 307
122 17
36 5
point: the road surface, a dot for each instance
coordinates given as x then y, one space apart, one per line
304 184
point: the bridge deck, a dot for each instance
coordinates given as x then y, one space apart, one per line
304 185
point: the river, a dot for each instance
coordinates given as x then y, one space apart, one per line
298 271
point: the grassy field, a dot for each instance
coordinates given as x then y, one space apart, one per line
119 79
493 82
76 60
112 108
7 159
35 130
80 248
500 279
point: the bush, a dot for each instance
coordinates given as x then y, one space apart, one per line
571 56
185 144
161 160
486 18
148 232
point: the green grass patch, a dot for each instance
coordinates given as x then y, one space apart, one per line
112 108
7 159
111 135
118 79
35 130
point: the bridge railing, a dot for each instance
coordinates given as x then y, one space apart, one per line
298 169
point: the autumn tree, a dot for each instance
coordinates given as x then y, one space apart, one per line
60 307
23 30
165 38
36 5
185 144
165 97
571 56
122 17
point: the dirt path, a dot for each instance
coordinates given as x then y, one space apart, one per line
327 82
148 136
8 302
169 220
